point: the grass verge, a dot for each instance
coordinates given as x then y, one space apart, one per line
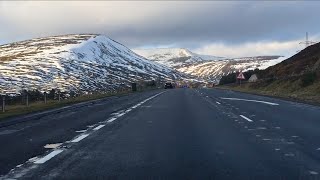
288 89
16 110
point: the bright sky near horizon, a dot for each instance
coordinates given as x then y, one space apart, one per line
229 29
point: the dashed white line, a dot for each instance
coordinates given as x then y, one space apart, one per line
289 154
246 118
80 138
81 131
313 172
98 127
218 102
48 157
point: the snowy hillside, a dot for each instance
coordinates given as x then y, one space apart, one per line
207 67
83 62
174 56
214 70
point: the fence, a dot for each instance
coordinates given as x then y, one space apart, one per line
35 99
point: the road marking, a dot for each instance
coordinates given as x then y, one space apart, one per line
250 100
121 114
98 127
81 131
80 138
289 154
48 157
313 172
111 120
218 102
246 118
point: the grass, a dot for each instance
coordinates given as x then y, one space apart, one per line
288 89
16 110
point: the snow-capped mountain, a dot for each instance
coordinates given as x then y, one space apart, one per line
174 57
82 62
206 67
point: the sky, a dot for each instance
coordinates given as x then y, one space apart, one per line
220 28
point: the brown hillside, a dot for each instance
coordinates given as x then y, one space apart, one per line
305 61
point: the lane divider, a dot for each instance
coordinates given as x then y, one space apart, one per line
49 156
79 138
244 117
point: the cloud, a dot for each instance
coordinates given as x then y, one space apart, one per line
248 49
189 24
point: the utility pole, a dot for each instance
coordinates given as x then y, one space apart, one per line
27 99
307 42
3 102
45 97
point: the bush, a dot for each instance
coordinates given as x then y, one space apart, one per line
308 79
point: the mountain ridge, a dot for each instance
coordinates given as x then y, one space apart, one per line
206 69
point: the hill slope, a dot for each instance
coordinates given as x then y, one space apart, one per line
304 61
82 62
297 77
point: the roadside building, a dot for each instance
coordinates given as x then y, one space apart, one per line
253 78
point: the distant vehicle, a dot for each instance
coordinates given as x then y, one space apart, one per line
168 86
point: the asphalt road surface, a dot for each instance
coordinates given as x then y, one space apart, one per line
168 134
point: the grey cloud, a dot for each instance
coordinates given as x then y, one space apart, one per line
186 24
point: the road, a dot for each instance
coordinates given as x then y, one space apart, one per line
168 134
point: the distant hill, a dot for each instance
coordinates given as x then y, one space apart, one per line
206 67
174 57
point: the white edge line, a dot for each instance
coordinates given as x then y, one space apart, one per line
121 114
249 100
48 157
80 138
246 118
98 127
111 120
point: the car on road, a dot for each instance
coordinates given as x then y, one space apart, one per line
168 85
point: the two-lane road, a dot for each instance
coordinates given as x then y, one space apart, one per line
183 134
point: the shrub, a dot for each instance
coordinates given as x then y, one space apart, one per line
308 79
